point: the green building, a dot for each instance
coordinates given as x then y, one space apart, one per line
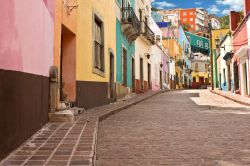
198 43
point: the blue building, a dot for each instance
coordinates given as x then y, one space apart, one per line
127 30
186 55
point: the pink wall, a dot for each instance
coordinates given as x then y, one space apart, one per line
26 35
240 37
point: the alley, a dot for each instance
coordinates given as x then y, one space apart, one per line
186 127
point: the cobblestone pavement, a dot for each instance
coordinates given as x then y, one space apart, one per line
190 127
68 143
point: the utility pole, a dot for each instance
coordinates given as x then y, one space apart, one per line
211 55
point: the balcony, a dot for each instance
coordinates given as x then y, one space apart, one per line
130 24
147 33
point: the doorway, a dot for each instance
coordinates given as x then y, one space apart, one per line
124 66
133 75
236 76
141 74
111 77
149 76
160 79
244 73
68 66
229 77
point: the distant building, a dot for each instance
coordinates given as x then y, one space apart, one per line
171 16
196 19
200 60
156 16
215 22
200 70
198 43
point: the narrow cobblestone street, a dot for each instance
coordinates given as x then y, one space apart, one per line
189 127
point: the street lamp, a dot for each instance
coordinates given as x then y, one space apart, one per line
217 42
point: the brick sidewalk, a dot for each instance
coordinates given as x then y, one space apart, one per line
231 96
69 143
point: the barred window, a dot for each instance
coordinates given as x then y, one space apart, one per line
98 45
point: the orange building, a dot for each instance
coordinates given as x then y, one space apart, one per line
196 19
187 17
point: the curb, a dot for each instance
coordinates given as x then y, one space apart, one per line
232 99
112 112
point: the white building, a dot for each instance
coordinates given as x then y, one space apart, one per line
225 71
215 22
143 44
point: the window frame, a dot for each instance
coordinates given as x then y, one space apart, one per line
201 44
98 17
198 43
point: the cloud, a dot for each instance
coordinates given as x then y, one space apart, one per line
198 3
230 5
213 9
164 4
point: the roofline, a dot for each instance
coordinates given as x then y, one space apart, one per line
221 29
242 22
196 35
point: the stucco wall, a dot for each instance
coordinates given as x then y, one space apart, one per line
155 60
26 35
84 39
240 37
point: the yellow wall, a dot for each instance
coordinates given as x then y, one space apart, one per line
84 52
172 46
218 33
199 74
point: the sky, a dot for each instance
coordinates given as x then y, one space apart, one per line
218 7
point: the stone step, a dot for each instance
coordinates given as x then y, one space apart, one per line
62 116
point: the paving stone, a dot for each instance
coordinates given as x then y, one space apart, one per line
190 127
57 143
79 162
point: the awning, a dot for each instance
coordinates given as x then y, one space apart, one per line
228 55
242 52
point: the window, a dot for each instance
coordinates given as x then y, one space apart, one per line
98 44
191 13
191 19
194 79
206 45
192 26
184 14
198 43
201 44
206 67
196 67
184 19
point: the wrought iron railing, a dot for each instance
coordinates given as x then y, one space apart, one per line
129 17
149 33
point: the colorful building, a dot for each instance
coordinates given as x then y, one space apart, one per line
200 70
217 36
198 43
175 56
240 42
26 55
127 30
200 60
225 66
143 43
95 53
195 19
186 55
